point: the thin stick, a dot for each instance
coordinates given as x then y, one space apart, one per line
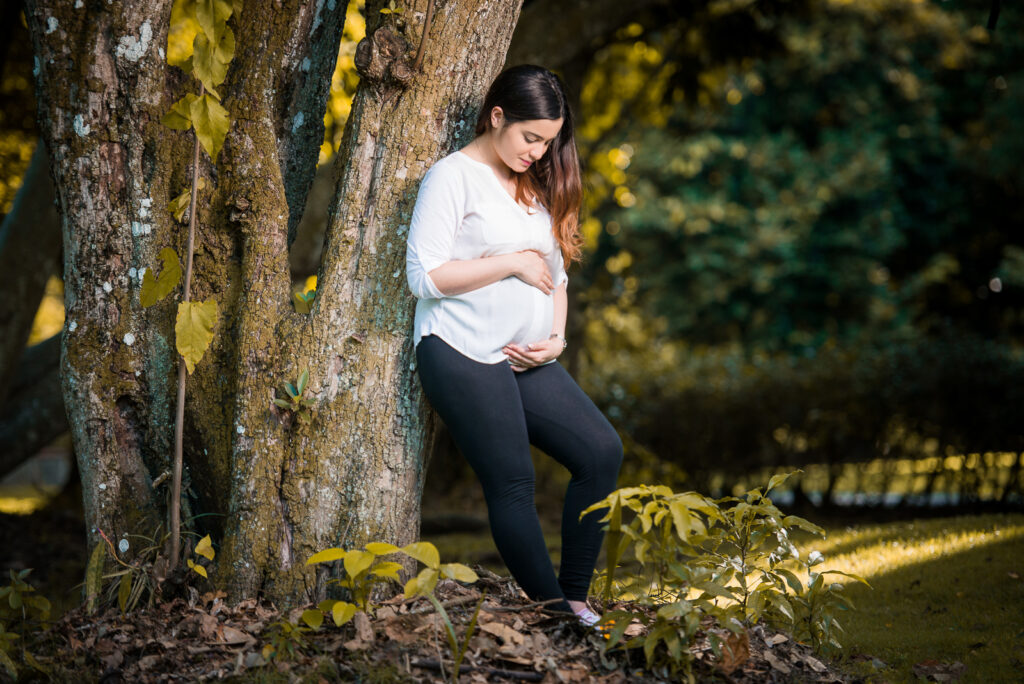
497 672
179 419
516 609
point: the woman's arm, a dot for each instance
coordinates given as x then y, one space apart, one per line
463 275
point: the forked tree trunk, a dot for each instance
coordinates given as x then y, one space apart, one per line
276 492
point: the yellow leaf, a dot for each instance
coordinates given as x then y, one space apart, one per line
180 116
211 56
342 612
425 552
197 567
357 561
94 576
313 618
193 330
155 289
211 122
459 572
326 556
387 569
205 548
212 14
124 591
377 548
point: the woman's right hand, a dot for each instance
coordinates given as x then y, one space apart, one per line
533 270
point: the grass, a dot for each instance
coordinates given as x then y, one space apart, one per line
948 590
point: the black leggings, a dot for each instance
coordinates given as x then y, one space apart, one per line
494 414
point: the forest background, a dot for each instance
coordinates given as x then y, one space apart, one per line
803 249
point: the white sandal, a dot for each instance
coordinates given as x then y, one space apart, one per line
588 617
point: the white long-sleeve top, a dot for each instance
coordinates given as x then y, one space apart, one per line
462 211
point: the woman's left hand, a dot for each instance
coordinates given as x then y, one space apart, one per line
532 355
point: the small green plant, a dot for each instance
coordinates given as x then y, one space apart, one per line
20 606
295 402
693 556
365 568
424 583
205 549
142 576
286 639
391 8
303 301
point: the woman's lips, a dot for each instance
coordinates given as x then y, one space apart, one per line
524 162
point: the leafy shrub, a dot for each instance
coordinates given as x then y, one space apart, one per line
691 556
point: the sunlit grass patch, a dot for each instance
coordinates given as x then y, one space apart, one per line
947 590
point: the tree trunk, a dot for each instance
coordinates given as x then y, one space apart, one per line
278 491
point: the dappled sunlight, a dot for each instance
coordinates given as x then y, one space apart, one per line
873 551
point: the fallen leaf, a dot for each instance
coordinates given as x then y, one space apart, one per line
735 651
777 663
815 664
504 632
776 639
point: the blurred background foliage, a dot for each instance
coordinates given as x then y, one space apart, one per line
803 246
809 253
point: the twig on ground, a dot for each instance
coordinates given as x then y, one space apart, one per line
497 672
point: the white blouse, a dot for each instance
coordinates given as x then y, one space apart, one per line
462 211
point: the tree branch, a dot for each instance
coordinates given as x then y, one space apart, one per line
30 246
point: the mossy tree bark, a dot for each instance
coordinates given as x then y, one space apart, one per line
277 491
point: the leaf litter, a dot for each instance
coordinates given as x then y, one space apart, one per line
204 639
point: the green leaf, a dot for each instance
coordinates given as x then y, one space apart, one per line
211 55
302 305
124 591
283 403
155 289
212 15
94 576
313 618
342 612
792 580
193 330
847 574
179 204
290 390
425 552
326 556
793 520
205 548
422 584
303 381
211 123
8 664
180 115
715 590
459 572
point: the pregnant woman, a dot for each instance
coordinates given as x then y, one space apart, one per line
493 228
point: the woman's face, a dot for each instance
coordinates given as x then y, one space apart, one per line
521 143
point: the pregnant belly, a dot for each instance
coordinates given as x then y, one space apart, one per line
506 311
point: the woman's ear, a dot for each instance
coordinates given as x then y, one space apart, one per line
497 116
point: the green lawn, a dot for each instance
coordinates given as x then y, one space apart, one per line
948 590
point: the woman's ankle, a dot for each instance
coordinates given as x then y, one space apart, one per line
577 606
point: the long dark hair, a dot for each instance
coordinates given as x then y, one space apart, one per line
525 92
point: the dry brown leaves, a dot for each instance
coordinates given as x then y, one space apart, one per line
204 639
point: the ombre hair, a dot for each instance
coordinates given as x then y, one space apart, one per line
526 92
